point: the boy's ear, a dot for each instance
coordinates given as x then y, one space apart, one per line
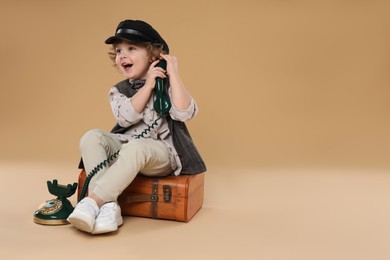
151 60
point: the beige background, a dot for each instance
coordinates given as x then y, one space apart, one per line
281 82
288 92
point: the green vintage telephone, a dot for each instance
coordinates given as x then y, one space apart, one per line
56 211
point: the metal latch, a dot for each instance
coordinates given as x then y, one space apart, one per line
167 193
154 195
153 198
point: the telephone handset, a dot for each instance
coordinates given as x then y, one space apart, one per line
161 104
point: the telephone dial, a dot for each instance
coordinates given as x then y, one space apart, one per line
56 211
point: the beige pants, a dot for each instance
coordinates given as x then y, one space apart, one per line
147 156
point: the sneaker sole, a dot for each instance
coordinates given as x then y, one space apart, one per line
107 228
82 225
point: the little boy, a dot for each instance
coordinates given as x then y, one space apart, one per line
143 141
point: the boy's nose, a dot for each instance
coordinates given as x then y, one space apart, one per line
122 54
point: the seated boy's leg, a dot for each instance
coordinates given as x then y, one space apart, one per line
95 147
148 156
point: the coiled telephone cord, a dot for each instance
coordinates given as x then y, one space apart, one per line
94 171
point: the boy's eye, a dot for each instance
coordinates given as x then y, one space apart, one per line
117 51
131 48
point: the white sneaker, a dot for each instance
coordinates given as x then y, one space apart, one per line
84 215
108 219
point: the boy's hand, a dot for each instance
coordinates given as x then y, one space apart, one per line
172 65
153 73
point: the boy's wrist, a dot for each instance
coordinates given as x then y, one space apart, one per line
149 86
173 77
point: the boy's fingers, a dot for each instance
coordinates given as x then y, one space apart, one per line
153 64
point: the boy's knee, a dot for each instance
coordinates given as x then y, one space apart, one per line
92 136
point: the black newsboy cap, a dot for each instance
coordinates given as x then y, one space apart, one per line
137 31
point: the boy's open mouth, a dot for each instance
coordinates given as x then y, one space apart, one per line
127 65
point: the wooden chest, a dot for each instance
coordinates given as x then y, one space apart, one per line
176 198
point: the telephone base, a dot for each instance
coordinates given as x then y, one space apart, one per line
53 212
56 211
52 222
